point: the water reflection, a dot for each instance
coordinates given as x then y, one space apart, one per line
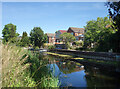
73 74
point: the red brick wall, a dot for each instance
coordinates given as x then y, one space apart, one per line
50 40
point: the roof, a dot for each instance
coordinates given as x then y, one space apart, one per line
81 30
50 34
63 31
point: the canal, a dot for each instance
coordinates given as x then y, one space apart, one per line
74 74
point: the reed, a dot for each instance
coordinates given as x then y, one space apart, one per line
13 72
22 68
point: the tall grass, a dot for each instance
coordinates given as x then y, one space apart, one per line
13 70
22 68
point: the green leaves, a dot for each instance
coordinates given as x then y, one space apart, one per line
98 30
9 32
67 37
37 37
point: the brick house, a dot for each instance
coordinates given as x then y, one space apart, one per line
57 35
51 38
77 32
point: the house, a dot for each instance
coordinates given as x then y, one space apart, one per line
51 38
57 35
77 32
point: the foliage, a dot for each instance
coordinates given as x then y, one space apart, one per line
37 37
24 35
51 47
67 38
22 68
9 33
40 71
13 71
114 12
79 43
25 39
98 32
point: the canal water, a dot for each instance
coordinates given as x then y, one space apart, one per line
74 74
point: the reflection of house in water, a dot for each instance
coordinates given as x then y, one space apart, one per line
69 67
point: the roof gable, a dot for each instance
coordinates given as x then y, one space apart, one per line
77 30
50 34
62 31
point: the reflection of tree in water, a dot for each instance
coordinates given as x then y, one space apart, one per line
65 66
68 67
97 78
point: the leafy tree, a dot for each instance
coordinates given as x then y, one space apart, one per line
37 37
24 35
98 32
67 38
9 33
114 12
25 39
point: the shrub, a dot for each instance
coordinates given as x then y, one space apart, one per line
51 47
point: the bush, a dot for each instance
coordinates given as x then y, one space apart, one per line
51 47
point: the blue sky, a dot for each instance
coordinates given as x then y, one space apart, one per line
50 16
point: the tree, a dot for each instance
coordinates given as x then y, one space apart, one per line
37 37
25 39
24 35
9 33
114 12
98 32
67 38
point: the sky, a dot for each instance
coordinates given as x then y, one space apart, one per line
50 16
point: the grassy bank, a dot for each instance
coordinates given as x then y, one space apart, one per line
22 68
80 59
59 55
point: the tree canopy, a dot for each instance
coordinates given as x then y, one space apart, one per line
114 12
98 31
37 37
67 38
9 33
25 39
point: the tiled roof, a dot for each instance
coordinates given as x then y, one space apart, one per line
62 31
50 34
81 30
